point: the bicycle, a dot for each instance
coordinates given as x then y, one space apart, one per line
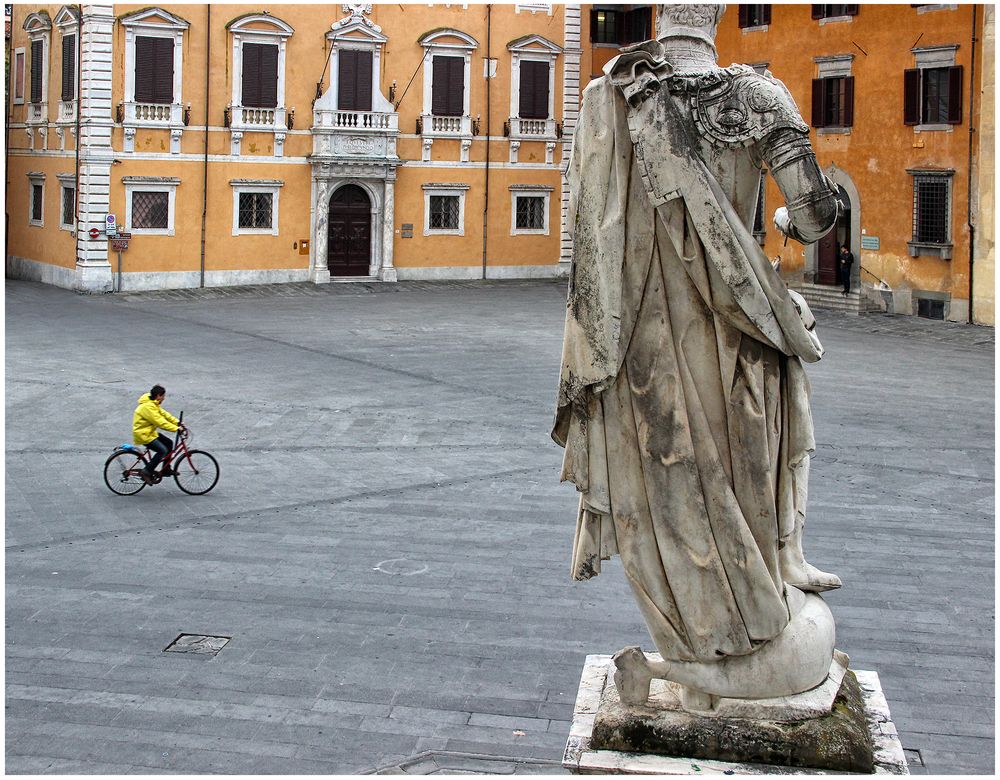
195 471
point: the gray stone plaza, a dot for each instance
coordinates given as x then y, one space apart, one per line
388 547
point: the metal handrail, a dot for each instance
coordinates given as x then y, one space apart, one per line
882 282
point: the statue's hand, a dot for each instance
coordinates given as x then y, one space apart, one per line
782 221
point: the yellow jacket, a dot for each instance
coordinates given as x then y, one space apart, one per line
148 417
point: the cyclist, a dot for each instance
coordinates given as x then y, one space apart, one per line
146 421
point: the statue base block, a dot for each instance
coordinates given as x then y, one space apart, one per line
791 735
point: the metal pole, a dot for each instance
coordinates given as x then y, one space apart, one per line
119 272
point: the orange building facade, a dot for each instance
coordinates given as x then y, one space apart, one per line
235 145
895 97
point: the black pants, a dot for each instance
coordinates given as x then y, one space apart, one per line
847 281
159 446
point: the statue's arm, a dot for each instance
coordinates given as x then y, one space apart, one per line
811 206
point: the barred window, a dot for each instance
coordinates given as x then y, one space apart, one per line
931 209
68 206
256 209
36 202
444 212
530 213
150 210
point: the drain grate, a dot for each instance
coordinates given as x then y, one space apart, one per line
197 643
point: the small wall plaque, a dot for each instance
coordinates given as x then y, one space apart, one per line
406 230
870 242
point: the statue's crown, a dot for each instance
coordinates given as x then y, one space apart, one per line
689 21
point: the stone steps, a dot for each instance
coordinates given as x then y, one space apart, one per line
820 296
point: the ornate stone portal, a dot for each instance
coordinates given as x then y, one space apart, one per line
355 146
683 402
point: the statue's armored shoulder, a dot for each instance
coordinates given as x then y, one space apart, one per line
738 106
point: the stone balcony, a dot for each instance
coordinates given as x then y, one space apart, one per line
532 129
355 134
433 126
38 113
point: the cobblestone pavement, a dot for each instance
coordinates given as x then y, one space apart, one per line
388 546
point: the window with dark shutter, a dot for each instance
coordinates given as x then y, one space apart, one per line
354 90
154 69
833 11
638 24
260 75
932 96
534 90
448 89
69 67
36 71
833 102
911 97
19 75
755 15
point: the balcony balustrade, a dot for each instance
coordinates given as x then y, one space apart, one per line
154 114
37 113
445 126
532 129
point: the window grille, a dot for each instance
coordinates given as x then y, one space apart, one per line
68 206
150 210
929 308
255 209
443 212
530 213
36 202
930 209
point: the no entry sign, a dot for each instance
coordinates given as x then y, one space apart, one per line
94 232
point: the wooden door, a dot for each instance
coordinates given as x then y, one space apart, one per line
349 233
826 258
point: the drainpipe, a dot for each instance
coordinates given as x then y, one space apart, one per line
972 130
79 108
486 206
204 186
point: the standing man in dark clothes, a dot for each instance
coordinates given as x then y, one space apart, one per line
846 261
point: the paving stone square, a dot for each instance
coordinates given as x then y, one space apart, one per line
388 546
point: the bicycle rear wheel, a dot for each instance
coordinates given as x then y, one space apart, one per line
196 473
121 473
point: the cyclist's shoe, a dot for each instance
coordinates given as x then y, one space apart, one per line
167 472
146 476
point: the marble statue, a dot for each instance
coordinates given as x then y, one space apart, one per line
683 403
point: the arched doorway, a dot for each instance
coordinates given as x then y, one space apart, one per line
827 267
349 232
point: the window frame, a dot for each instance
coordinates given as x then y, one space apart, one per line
39 28
933 58
447 43
446 190
532 48
67 181
166 184
266 186
530 191
246 29
170 27
916 246
20 53
756 25
824 18
67 23
36 179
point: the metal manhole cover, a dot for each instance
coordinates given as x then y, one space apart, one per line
197 643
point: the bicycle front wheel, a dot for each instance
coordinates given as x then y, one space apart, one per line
196 473
121 473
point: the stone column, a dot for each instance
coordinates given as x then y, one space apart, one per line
93 271
388 271
321 271
571 111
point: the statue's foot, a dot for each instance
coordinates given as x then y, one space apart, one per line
807 577
632 676
694 700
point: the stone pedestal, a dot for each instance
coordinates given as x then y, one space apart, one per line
94 277
840 726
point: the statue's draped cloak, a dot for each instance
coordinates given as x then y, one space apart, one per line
683 405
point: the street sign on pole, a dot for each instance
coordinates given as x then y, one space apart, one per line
119 244
110 225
